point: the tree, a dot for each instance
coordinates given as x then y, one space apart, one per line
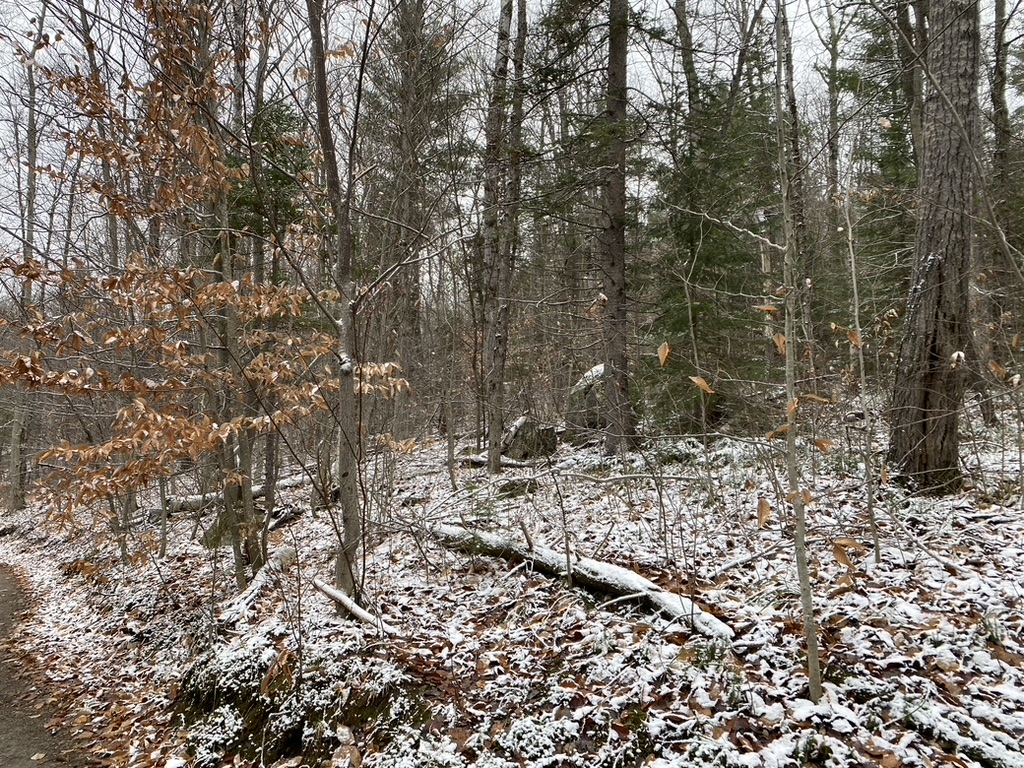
17 469
414 146
502 187
789 167
341 248
621 427
937 349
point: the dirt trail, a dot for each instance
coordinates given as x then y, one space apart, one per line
23 733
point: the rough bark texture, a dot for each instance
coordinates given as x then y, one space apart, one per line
937 347
621 427
497 270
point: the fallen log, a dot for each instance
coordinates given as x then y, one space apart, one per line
354 608
236 609
199 501
586 572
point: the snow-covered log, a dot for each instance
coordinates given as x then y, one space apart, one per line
235 609
586 572
195 502
480 460
353 608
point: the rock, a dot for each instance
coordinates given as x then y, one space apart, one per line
528 439
586 405
346 756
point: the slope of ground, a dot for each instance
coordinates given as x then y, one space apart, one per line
495 665
25 740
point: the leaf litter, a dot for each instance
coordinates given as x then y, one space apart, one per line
494 664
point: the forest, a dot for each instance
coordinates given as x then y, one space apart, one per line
410 383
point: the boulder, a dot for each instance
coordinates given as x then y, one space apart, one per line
587 405
528 439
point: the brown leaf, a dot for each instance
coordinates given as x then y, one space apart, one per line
854 338
700 382
792 407
998 371
780 343
848 543
824 445
663 352
780 432
816 399
841 555
764 512
768 309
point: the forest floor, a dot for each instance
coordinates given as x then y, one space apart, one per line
479 661
25 739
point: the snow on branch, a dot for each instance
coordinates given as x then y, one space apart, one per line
353 608
199 501
235 609
586 572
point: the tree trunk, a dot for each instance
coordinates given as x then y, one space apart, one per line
937 348
17 469
789 166
502 188
621 427
349 449
911 43
497 273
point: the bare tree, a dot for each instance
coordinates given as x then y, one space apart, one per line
503 132
788 166
341 249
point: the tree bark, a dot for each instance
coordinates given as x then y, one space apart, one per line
349 448
497 272
911 42
17 469
621 428
937 348
789 168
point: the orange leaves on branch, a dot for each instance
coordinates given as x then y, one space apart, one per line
27 367
768 309
663 353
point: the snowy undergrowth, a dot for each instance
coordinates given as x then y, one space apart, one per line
497 666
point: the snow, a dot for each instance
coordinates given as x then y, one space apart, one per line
487 664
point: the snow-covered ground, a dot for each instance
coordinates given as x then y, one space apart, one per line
494 664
